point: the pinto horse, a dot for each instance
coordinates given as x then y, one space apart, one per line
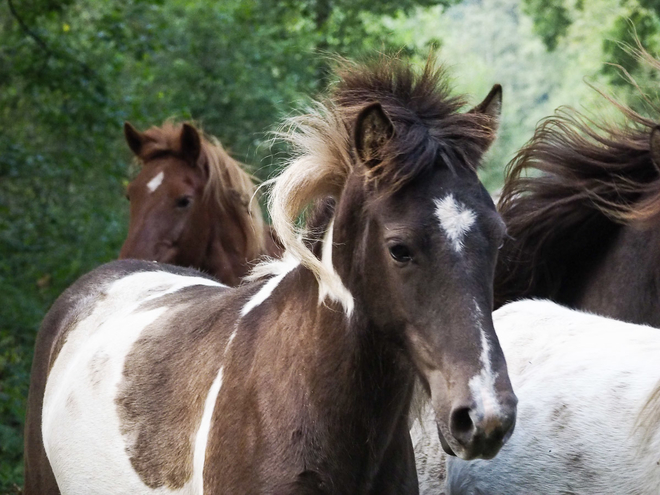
149 378
193 205
583 232
589 410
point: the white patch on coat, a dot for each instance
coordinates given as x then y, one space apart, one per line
202 436
280 270
456 220
482 385
154 183
581 381
87 451
331 286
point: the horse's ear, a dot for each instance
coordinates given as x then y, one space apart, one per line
492 108
191 144
134 138
373 129
654 147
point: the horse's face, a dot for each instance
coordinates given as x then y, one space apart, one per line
168 219
436 243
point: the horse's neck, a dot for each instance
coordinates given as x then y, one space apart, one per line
625 283
227 256
353 380
273 246
552 263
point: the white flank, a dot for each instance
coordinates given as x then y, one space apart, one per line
81 427
455 219
154 183
331 284
202 437
482 385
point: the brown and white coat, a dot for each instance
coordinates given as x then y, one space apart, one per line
154 379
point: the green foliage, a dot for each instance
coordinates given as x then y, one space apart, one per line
551 19
637 25
627 24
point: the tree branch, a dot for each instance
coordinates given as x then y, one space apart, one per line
44 46
28 31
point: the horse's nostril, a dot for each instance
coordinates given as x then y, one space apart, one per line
461 425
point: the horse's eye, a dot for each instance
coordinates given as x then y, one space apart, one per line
400 253
128 197
183 202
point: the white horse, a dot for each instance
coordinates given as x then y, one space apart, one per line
588 411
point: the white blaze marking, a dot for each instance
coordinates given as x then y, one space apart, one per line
202 437
455 219
331 284
153 184
482 385
280 269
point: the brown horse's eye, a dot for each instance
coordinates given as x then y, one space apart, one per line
400 253
183 202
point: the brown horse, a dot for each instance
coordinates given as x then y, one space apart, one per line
149 376
193 205
584 232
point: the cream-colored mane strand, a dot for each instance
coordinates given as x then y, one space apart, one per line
319 168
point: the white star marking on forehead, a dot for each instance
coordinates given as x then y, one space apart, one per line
153 184
455 219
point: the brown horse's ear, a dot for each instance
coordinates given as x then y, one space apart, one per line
191 144
492 108
654 147
134 138
373 129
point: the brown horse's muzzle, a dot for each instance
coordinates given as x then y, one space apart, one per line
478 435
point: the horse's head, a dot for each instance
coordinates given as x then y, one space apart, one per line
436 237
169 220
191 204
412 246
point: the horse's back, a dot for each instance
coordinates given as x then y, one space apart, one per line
583 383
111 351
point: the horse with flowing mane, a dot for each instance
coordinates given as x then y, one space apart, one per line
150 378
581 232
193 205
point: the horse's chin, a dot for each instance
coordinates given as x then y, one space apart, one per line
167 253
445 446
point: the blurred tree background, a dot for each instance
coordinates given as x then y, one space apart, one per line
71 72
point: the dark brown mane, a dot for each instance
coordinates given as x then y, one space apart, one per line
425 114
427 130
567 193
